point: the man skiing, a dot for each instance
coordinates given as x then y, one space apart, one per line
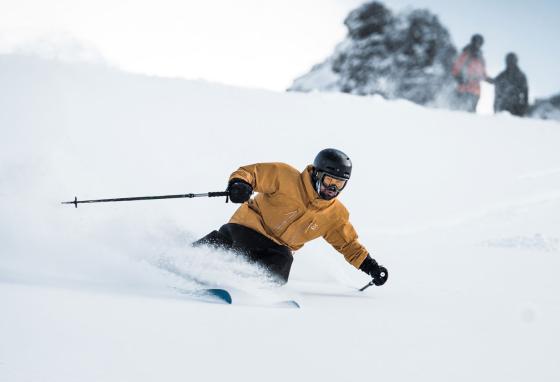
468 70
511 89
290 209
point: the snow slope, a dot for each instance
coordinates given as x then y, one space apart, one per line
463 210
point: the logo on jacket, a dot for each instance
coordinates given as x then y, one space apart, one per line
289 217
312 226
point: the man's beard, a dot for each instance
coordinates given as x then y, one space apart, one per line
328 193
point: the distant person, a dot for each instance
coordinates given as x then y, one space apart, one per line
468 70
511 89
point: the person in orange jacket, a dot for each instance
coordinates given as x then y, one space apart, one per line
290 209
468 70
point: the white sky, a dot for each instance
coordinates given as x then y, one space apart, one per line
263 43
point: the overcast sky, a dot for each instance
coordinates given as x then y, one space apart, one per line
262 43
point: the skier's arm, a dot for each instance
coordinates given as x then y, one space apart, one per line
485 75
263 177
345 240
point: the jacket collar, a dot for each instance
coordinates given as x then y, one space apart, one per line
310 192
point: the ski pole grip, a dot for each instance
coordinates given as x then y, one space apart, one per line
219 193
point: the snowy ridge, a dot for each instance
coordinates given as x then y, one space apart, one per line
463 210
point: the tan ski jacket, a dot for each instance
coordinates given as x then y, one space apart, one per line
288 210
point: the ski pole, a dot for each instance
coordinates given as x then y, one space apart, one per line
75 202
367 286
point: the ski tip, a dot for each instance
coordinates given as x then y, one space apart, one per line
222 294
208 294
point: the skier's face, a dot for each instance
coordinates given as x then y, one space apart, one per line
328 193
330 186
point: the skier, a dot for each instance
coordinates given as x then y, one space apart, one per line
290 209
468 70
511 89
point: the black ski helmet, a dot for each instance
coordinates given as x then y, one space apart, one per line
333 162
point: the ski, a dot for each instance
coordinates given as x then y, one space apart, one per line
224 296
209 294
221 294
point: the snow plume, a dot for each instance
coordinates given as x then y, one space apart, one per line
47 157
144 258
197 267
406 55
44 243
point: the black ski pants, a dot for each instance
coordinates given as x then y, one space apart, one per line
257 248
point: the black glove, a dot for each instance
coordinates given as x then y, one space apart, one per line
239 191
377 272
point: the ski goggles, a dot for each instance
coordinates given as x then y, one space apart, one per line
330 181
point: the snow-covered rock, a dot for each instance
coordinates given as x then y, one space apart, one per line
403 55
548 108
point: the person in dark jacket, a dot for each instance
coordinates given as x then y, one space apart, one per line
468 70
511 89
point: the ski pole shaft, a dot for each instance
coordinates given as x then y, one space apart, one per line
367 286
75 202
